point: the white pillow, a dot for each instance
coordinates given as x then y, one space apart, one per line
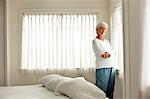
79 88
52 84
47 78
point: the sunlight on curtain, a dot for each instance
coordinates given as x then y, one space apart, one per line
145 79
117 34
57 41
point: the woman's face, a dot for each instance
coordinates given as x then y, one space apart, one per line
101 31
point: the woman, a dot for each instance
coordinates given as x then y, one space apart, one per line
105 72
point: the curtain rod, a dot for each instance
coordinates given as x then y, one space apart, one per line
61 11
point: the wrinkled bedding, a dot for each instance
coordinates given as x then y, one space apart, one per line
28 92
54 87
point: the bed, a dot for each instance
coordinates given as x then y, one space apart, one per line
54 87
28 92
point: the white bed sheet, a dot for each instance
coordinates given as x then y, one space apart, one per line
28 92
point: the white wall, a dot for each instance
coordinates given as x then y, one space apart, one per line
2 52
14 6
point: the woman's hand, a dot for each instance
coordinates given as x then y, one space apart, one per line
105 55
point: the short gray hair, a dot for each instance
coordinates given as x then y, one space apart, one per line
102 24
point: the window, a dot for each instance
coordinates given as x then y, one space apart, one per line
117 33
57 41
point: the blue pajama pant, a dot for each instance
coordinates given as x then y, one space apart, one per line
105 80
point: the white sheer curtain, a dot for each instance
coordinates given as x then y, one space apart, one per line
145 68
117 32
57 41
137 27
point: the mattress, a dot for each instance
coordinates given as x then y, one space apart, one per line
28 92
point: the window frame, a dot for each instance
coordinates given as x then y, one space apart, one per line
114 6
50 11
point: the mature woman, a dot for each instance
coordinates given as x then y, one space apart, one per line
105 72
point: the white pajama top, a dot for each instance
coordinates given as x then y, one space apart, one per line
100 47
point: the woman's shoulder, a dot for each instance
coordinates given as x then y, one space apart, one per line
95 40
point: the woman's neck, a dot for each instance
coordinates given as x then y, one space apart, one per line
100 37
